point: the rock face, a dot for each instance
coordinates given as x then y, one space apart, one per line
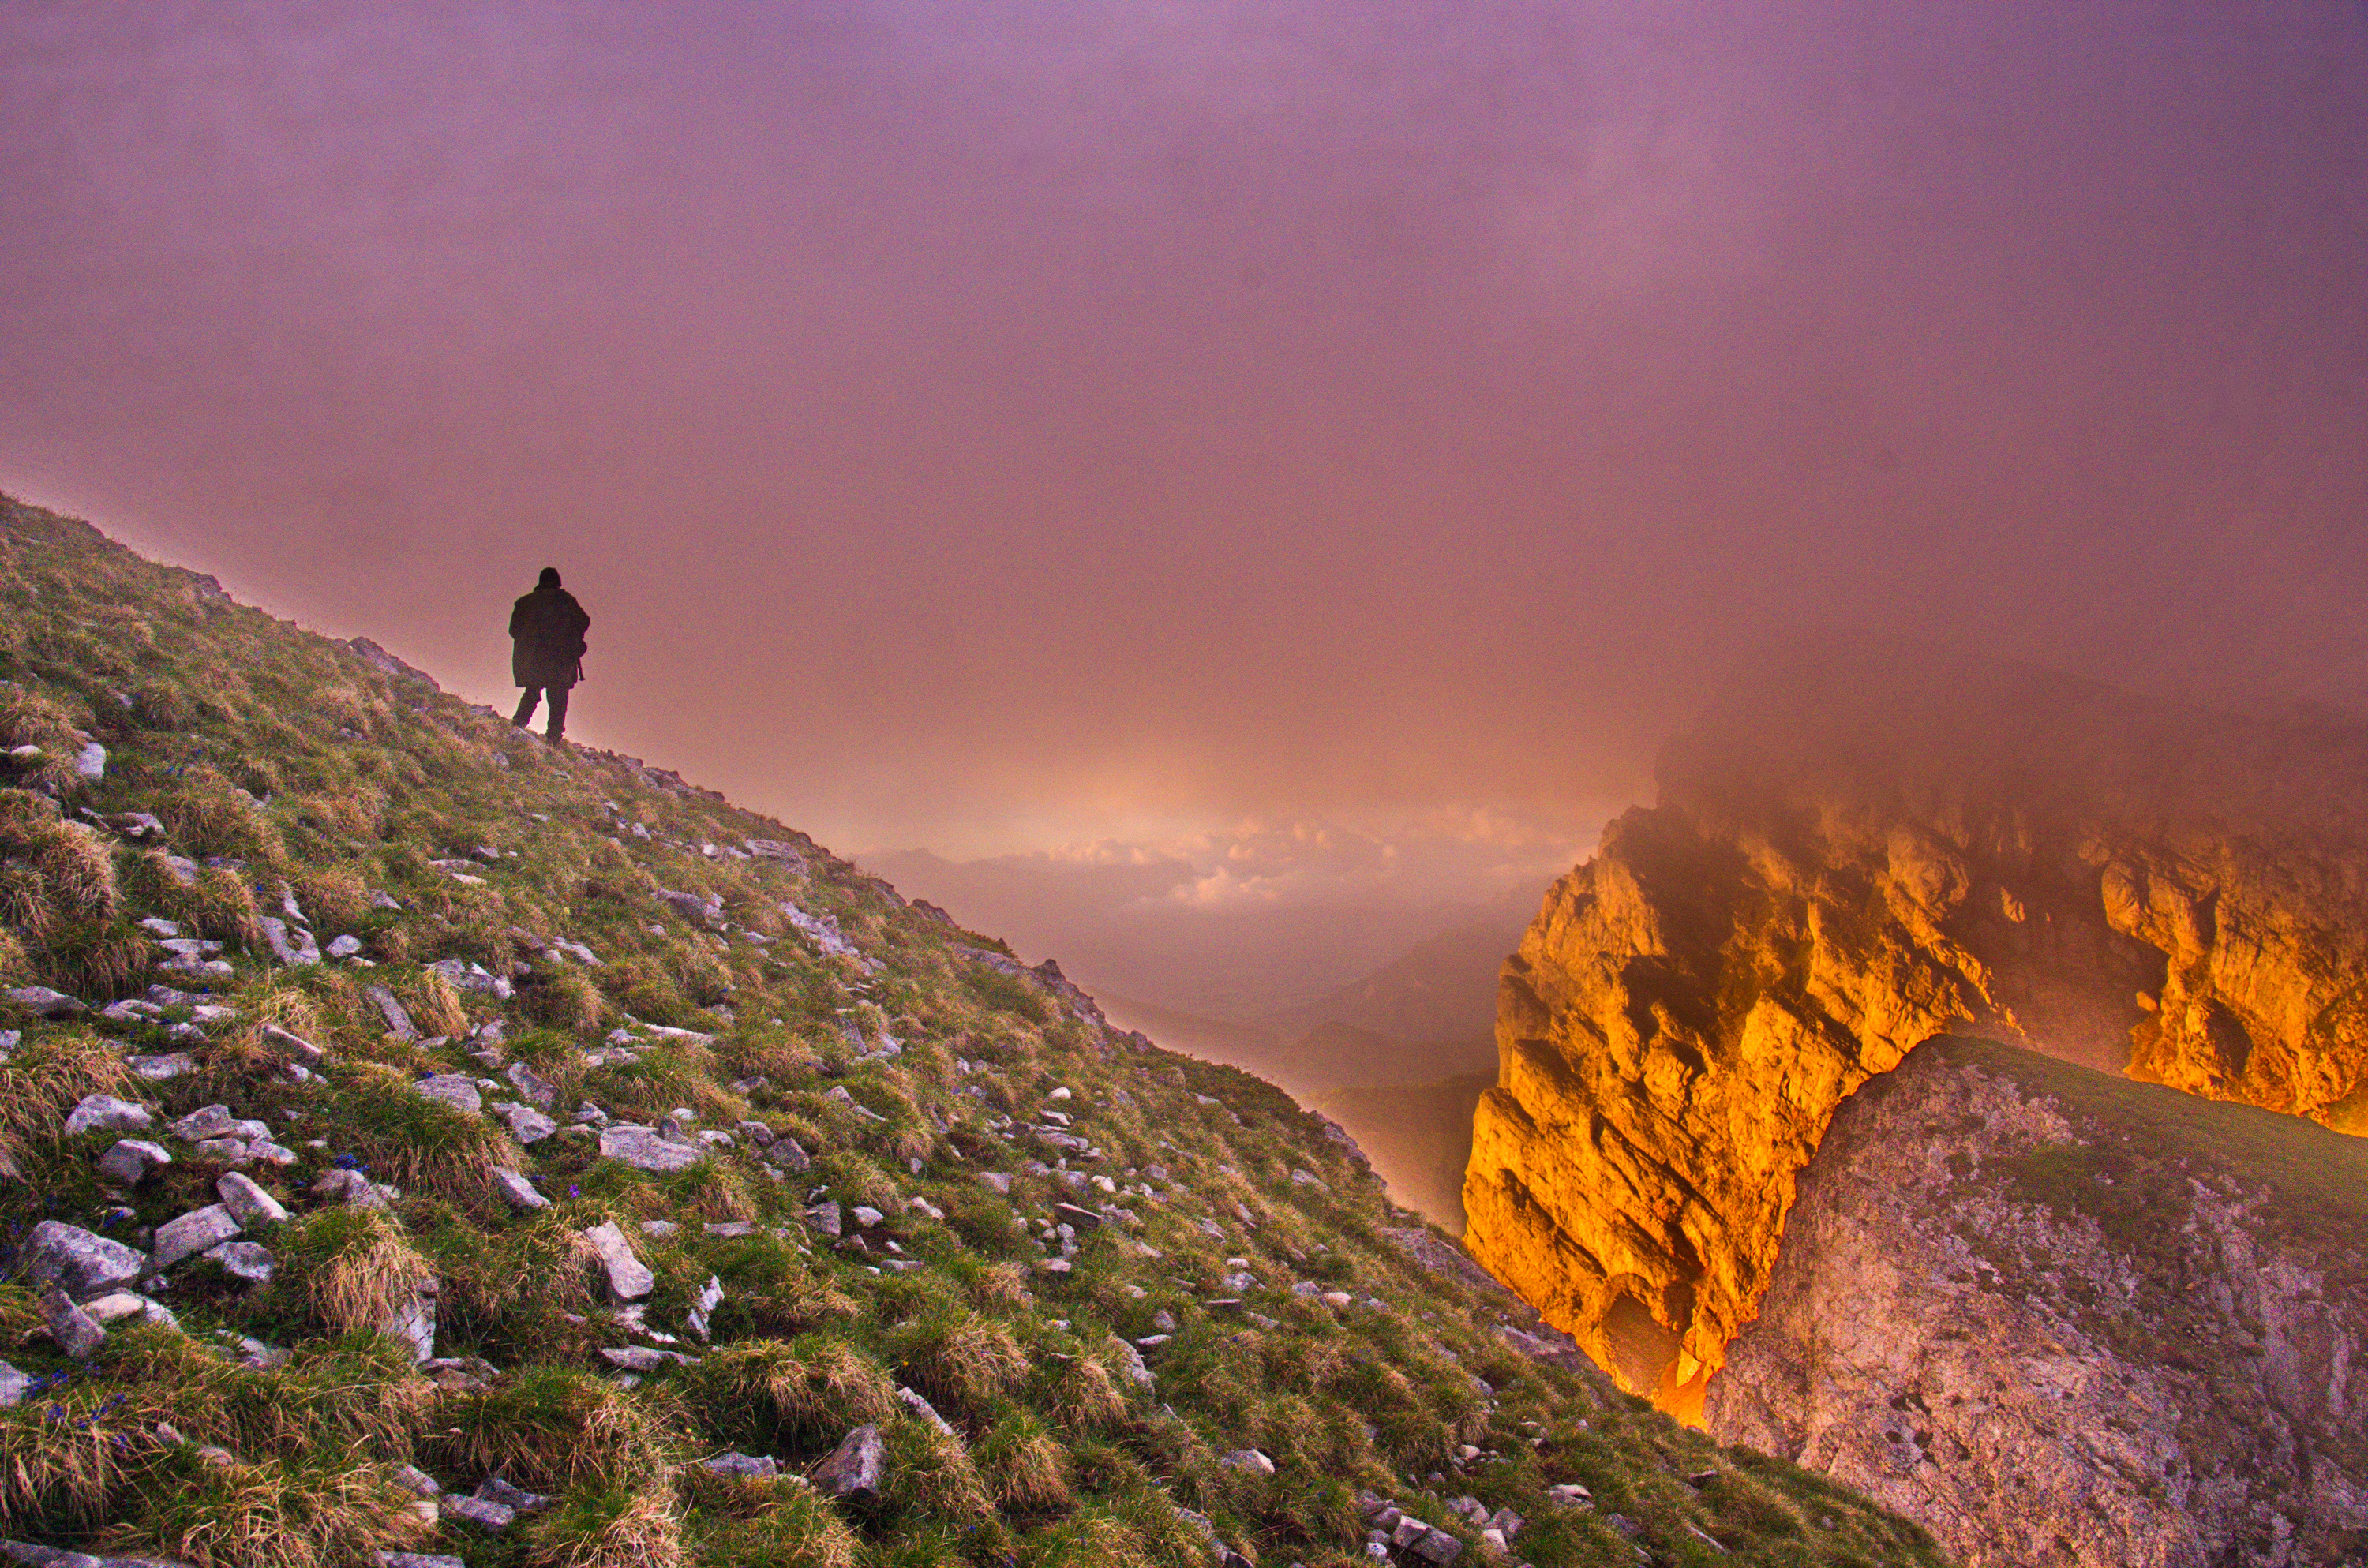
2059 1318
1857 851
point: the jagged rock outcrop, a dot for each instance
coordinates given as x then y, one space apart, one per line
1860 847
2062 1319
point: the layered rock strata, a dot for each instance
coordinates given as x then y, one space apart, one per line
1857 849
2061 1319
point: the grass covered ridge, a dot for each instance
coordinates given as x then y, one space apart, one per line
1229 1248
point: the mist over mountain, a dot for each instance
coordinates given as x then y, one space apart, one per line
1280 930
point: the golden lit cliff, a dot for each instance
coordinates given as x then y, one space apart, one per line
1859 849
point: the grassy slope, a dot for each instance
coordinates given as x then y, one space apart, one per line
2148 1143
291 759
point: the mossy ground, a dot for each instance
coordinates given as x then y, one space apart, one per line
303 772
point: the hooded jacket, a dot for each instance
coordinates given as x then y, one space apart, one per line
547 629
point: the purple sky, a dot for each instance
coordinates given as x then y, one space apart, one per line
1009 425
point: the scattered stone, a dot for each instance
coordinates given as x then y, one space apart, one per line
537 1090
997 1181
291 944
343 947
736 1463
517 1499
158 1069
924 1409
1437 1548
453 1089
790 1154
77 1332
248 1261
105 1113
349 1188
824 1217
133 1161
857 1469
1085 1220
635 1357
709 1297
90 763
527 1124
79 1263
206 1121
13 1384
249 1203
641 1147
398 1022
414 1321
486 1516
629 1277
1250 1460
416 1482
194 1232
1131 1365
296 1045
868 1216
518 1192
416 1560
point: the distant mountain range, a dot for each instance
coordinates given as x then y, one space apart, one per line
1398 1058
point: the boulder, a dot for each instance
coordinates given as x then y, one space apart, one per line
517 1499
76 1261
459 1092
133 1161
76 1331
105 1113
518 1192
628 1279
194 1232
249 1261
641 1147
291 944
856 1469
44 1003
531 1087
398 1022
527 1124
702 1307
414 1321
247 1203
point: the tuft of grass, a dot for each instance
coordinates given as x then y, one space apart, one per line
568 1000
794 1527
46 1076
27 718
301 1512
964 1364
351 1268
1024 1466
931 1474
616 1525
553 1430
800 1394
436 1007
415 1142
54 1468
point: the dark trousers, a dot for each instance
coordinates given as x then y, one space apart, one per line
533 694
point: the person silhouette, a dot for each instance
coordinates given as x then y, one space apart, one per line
547 629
